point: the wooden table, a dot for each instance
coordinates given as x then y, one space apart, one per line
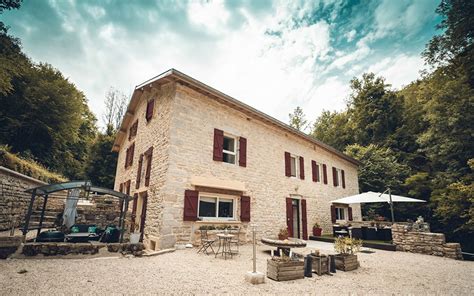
284 245
224 243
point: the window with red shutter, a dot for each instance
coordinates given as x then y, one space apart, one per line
121 187
333 214
149 109
139 172
343 179
349 210
218 145
301 168
245 208
190 205
335 180
134 212
304 219
313 171
289 216
325 174
242 152
127 187
287 164
149 156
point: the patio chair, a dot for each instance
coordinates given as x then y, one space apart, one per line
206 243
235 240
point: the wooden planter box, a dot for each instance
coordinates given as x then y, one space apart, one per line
285 271
320 264
346 262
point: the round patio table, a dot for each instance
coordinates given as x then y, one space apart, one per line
284 245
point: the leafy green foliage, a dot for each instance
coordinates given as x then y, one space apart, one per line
102 162
334 129
298 119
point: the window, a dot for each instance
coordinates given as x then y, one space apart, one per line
319 171
340 214
294 166
337 177
216 207
149 109
229 149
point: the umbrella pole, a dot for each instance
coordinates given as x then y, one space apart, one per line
391 205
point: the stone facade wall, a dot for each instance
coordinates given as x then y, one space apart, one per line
14 200
408 240
182 135
154 133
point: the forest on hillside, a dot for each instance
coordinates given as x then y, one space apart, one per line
419 140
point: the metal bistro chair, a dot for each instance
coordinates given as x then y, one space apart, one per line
235 240
206 243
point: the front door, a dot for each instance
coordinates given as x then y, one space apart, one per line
293 217
139 213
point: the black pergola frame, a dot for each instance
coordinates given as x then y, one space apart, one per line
45 190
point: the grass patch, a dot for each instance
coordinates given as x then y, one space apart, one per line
28 167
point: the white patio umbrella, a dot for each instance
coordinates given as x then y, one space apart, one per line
70 208
373 197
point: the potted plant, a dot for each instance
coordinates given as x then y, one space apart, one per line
283 234
346 248
317 230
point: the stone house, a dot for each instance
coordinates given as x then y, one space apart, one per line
192 156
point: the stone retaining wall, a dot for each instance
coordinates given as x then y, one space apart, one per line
409 240
52 249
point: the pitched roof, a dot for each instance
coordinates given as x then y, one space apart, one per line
177 76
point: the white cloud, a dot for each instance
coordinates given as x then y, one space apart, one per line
399 70
211 15
350 35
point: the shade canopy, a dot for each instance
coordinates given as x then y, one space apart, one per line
373 197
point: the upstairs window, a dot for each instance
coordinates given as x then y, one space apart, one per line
229 149
293 165
149 109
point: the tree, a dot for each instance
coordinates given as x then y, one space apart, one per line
298 120
102 162
334 129
455 46
43 115
375 110
115 107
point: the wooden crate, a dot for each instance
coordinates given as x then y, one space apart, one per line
346 262
285 270
320 264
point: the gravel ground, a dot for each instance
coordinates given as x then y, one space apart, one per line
185 272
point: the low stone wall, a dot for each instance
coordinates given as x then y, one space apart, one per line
9 245
14 200
410 240
52 249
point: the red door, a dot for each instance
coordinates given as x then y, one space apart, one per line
289 216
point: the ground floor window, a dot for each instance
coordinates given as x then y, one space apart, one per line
216 207
340 214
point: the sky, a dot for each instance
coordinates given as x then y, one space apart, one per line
272 55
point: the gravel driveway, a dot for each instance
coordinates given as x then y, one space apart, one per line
184 271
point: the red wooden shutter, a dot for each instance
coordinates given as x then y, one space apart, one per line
242 152
287 164
304 219
349 210
333 214
343 177
121 187
245 208
218 145
127 187
318 177
127 155
289 216
334 176
190 205
143 215
325 174
149 109
301 168
313 171
139 172
134 212
132 151
149 156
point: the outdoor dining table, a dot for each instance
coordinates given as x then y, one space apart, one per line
224 244
80 237
284 245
